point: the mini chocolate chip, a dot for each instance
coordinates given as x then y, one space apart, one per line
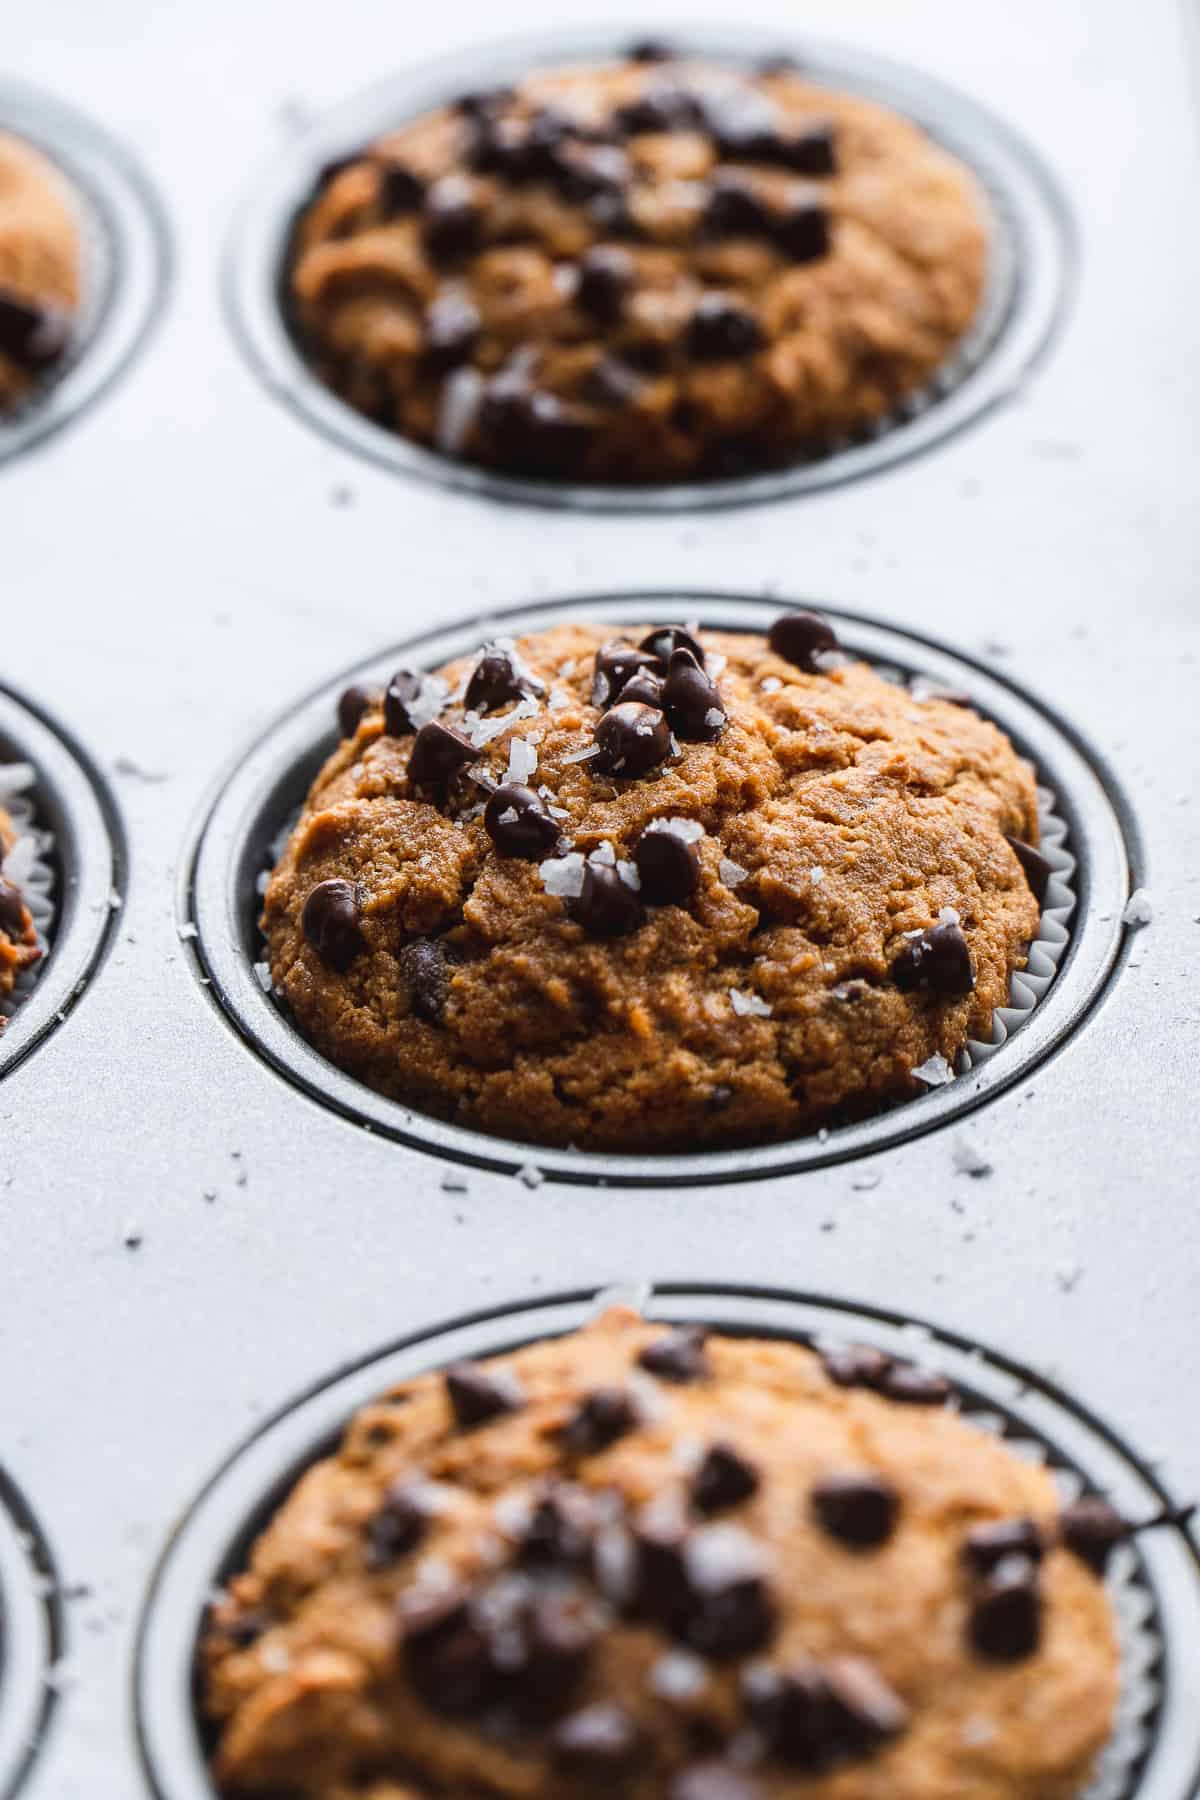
857 1365
496 679
356 701
801 227
645 687
601 1417
605 277
453 220
724 1478
477 1395
712 1781
1006 1614
632 739
801 637
518 823
606 905
794 1710
914 1386
401 189
858 1509
12 909
439 752
692 701
989 1545
616 664
1037 869
560 1531
721 328
34 334
812 150
664 640
330 922
938 959
601 1744
866 1711
1091 1529
650 50
402 691
397 1527
734 207
423 966
730 1609
611 382
452 331
668 863
679 1356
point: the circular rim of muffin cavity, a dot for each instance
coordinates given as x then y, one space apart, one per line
214 1535
125 256
71 800
1029 288
256 799
30 1636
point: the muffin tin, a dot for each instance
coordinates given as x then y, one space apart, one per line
198 1218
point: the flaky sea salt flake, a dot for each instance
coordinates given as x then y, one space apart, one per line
935 1072
731 873
1139 908
746 1004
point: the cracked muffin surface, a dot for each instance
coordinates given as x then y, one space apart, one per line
39 270
650 270
659 1563
579 892
18 935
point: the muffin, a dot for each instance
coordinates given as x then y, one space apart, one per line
667 889
657 1563
645 271
18 937
39 270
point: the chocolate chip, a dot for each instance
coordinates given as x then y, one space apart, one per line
611 382
794 1710
616 664
1037 869
397 1527
452 332
423 967
668 863
401 189
12 909
810 151
730 1609
483 102
1006 1614
518 823
606 905
660 1585
650 50
330 922
520 149
601 1417
591 172
987 1546
355 701
857 1365
600 1744
438 753
477 1395
453 221
734 207
1091 1529
857 1509
866 1711
606 275
724 1478
743 123
664 640
721 329
712 1781
632 739
247 1628
536 431
801 638
34 334
679 1356
448 1656
402 691
914 1386
937 959
645 687
692 701
801 227
663 106
496 679
561 1633
559 1533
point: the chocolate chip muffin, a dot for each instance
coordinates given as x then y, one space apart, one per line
18 937
653 270
657 1563
39 270
670 889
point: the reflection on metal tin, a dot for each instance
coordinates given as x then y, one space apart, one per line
1030 271
262 794
30 1637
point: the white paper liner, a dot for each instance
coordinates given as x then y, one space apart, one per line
29 866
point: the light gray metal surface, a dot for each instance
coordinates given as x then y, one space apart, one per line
187 558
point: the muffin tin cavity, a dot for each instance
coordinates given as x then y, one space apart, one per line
1030 268
1155 1581
74 893
30 1636
124 252
1078 944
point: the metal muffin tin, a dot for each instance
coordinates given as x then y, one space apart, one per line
30 1636
187 1235
1030 272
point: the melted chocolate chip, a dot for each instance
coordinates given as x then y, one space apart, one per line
664 640
606 905
601 1417
1006 1614
730 1608
632 739
801 227
712 1781
794 1710
561 1633
866 1711
810 151
1037 869
496 679
668 863
423 968
914 1386
397 1527
536 431
724 1478
518 823
12 909
438 753
617 664
477 1395
401 189
559 1533
402 691
600 1744
939 960
857 1365
857 1509
453 221
1091 1529
679 1356
735 208
330 922
452 332
692 701
660 1535
448 1656
605 277
987 1546
645 687
34 334
355 701
722 329
801 638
